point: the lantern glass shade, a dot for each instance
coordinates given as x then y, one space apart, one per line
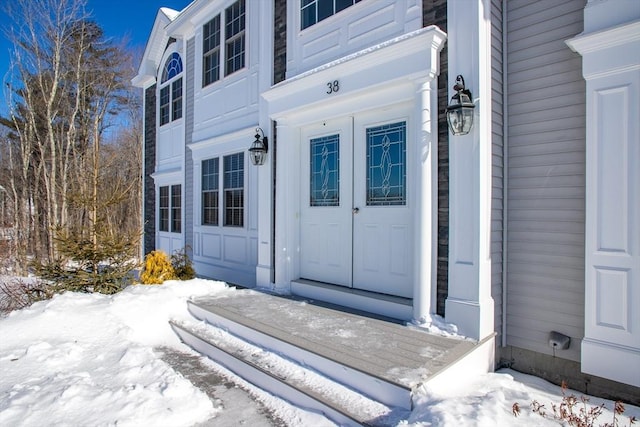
258 151
460 113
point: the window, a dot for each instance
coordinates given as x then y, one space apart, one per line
210 193
170 208
231 180
176 208
163 224
234 37
314 11
234 190
171 90
176 99
164 105
234 45
211 51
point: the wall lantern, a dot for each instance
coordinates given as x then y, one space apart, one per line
258 150
460 109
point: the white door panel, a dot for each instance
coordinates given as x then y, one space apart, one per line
326 156
382 226
364 239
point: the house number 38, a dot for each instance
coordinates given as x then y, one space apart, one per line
333 86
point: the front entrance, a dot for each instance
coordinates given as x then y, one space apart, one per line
356 222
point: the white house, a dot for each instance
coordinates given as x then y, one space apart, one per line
525 228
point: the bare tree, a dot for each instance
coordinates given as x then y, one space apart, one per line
67 86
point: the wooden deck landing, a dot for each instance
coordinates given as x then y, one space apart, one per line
402 355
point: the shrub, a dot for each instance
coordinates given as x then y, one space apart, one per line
104 265
182 265
17 293
157 268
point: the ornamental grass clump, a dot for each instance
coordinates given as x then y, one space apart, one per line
576 412
157 269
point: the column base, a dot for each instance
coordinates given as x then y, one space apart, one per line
474 319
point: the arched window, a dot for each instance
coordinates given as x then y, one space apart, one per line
171 89
172 67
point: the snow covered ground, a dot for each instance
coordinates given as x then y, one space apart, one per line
93 360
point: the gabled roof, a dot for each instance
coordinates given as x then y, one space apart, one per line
170 23
156 45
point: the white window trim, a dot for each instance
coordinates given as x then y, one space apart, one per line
199 51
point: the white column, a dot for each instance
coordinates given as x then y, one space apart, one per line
610 49
287 207
424 287
265 211
469 304
264 265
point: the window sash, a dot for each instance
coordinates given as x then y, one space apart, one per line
234 37
234 190
176 208
314 11
163 209
211 51
234 55
176 102
210 191
164 105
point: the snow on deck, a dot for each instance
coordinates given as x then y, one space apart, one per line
402 355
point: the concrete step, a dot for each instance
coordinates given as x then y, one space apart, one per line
287 379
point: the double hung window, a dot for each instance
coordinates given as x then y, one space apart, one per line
170 208
210 191
234 43
171 90
314 11
231 181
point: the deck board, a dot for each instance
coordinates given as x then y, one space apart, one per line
402 355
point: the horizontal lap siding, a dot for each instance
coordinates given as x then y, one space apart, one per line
497 182
190 83
546 175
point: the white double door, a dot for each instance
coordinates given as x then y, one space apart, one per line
356 222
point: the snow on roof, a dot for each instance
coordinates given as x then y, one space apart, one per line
170 13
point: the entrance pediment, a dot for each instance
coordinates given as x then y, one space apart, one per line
377 75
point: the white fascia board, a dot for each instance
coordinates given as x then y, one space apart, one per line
193 15
200 148
154 50
169 176
397 61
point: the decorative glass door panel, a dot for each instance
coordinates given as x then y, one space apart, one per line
387 165
325 171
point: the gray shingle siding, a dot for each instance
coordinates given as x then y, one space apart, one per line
149 204
434 12
279 41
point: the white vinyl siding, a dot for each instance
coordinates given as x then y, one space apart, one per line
188 184
546 175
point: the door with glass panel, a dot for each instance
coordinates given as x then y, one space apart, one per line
325 222
356 224
382 220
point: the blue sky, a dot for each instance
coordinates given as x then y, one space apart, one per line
118 18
